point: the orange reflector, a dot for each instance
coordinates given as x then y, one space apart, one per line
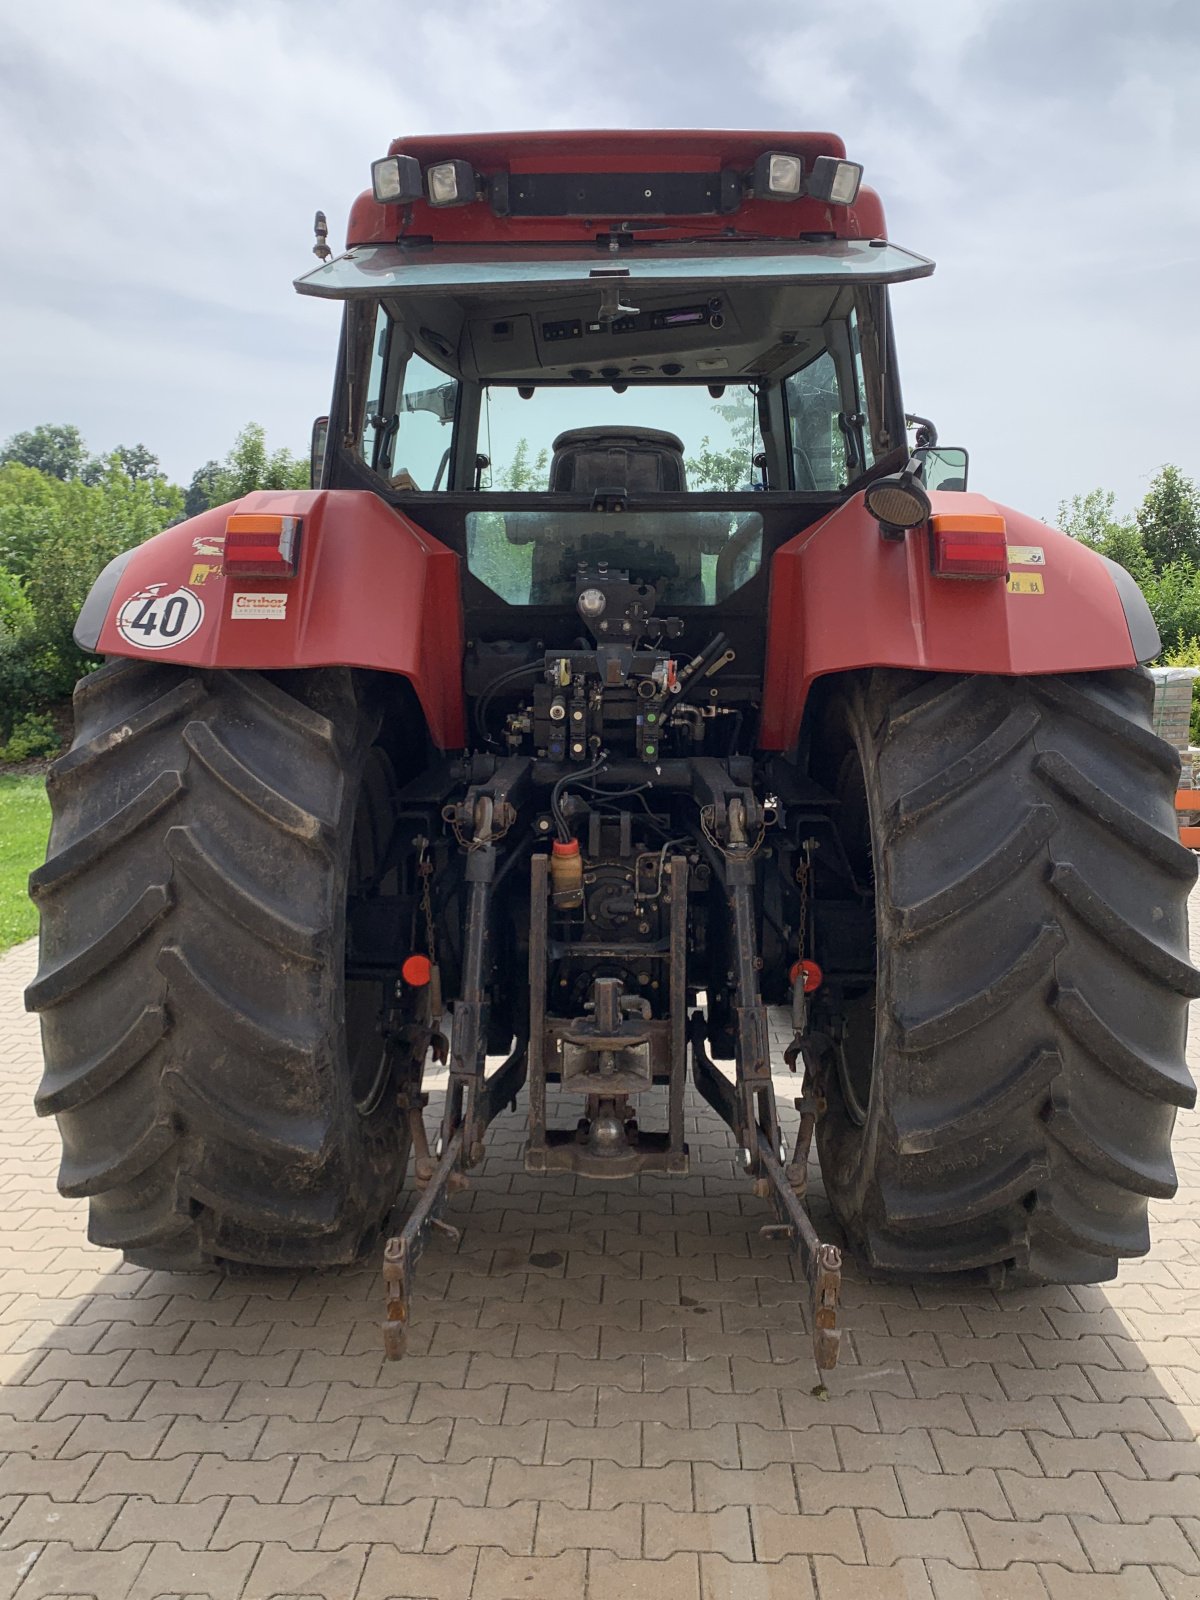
811 974
963 545
417 971
261 545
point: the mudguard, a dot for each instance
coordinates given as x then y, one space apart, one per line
371 590
843 597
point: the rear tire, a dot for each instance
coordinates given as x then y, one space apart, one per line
1015 1113
193 908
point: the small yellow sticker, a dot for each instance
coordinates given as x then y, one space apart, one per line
202 571
1026 555
1025 583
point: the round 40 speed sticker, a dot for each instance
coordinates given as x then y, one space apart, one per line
152 620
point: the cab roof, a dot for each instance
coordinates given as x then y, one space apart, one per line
631 183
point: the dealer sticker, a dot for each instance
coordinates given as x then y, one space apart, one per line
259 608
152 620
1026 555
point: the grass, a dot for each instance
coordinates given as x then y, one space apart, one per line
24 825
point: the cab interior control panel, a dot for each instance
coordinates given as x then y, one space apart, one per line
705 314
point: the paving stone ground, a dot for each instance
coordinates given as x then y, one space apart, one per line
607 1395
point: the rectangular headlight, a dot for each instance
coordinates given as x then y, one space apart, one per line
396 180
778 176
835 181
450 183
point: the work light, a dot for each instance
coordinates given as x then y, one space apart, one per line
450 183
778 176
835 181
897 501
396 180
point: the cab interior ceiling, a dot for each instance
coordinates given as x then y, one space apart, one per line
697 332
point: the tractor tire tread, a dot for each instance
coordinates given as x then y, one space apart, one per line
1031 994
189 979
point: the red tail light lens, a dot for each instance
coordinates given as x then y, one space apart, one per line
261 546
965 546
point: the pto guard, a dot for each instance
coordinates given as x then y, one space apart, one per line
843 598
372 590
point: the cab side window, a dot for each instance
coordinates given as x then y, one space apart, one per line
814 405
408 424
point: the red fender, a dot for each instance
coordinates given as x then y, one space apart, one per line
843 597
371 590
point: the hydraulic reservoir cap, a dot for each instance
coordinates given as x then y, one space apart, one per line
566 874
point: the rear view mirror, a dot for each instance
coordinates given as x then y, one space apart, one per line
316 458
943 466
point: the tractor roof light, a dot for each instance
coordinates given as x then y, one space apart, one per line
396 180
778 176
969 546
451 183
897 502
261 546
834 181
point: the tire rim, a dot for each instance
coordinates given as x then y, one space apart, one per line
856 1056
367 1050
370 1056
855 1050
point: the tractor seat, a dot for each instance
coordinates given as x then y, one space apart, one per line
629 460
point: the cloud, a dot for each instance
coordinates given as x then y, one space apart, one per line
163 163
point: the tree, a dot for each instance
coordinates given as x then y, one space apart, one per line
1091 518
521 474
1168 519
57 450
203 491
55 536
136 462
248 466
730 467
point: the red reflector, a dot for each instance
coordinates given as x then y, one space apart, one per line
261 546
417 971
969 546
811 974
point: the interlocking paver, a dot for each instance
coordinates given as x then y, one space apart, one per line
465 1481
1021 1581
1111 1546
833 1532
1049 1538
1132 1583
620 1529
612 1577
245 1519
82 1525
278 1570
633 1418
349 1521
44 1570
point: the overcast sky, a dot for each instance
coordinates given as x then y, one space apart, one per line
162 160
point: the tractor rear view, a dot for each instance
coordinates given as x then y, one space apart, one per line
624 674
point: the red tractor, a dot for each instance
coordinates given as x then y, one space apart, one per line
623 674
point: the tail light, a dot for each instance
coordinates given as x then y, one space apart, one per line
259 545
965 546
